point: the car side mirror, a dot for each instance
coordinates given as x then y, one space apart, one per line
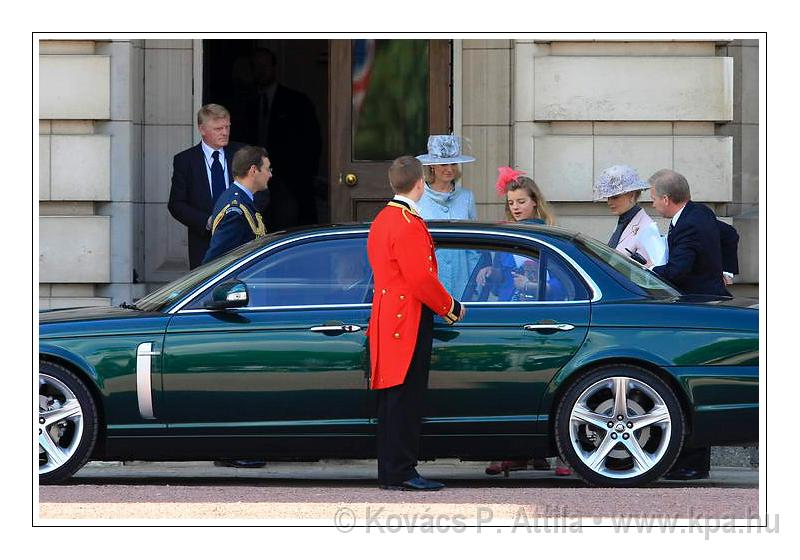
228 295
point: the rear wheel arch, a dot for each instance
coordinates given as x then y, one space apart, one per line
662 374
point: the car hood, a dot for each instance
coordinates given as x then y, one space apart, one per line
90 314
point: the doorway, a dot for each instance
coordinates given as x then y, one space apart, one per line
332 115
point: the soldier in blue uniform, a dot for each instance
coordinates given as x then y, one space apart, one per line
235 219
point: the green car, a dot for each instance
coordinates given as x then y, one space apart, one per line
573 350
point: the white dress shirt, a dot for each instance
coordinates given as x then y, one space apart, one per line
208 153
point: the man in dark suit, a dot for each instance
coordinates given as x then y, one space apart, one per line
694 266
285 123
200 175
695 255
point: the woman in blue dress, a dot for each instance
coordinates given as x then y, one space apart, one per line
445 199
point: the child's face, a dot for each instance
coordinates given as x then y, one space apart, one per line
521 205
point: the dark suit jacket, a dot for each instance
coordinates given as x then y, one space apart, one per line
729 243
190 199
695 257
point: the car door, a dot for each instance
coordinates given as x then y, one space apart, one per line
291 362
489 371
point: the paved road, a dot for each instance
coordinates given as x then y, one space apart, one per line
320 492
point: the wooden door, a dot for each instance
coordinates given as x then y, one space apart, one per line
386 97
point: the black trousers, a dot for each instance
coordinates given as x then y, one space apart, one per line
698 458
400 412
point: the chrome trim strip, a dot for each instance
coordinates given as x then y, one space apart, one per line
597 294
546 327
144 393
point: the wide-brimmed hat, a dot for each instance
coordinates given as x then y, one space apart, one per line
618 179
445 148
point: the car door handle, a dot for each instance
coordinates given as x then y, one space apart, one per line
549 327
335 329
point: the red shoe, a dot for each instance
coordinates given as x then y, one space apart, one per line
563 471
506 466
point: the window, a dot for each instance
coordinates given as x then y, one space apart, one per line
506 275
329 272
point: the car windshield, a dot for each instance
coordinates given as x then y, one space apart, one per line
648 281
176 290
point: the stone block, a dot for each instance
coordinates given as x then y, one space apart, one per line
74 249
81 167
693 129
64 303
491 212
126 153
44 167
123 78
72 290
633 48
750 85
571 128
523 61
74 87
44 126
486 87
749 249
122 232
634 128
707 164
161 145
44 290
168 86
487 44
72 127
750 163
61 208
633 88
563 167
66 47
167 256
646 154
168 44
523 146
492 148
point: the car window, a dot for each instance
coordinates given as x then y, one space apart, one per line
328 272
649 282
562 283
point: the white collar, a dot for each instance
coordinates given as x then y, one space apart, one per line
209 152
676 216
408 201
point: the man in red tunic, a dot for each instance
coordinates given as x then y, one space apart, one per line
407 293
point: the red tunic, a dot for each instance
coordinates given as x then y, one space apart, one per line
400 251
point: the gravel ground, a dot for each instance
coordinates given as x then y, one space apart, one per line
327 494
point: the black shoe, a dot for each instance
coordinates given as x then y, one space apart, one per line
241 464
684 473
416 483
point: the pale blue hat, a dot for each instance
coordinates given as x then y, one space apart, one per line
443 149
618 179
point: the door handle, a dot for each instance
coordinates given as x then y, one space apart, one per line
335 329
549 327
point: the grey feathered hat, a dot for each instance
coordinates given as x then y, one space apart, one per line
445 148
618 179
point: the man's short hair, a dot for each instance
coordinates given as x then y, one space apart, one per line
672 184
246 157
404 174
212 111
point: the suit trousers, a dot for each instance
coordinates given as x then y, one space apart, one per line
400 412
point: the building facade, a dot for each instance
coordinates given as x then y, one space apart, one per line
113 114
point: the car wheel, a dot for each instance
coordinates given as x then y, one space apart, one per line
619 425
67 423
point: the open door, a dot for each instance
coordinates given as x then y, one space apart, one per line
386 97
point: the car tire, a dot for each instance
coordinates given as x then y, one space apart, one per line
67 423
616 442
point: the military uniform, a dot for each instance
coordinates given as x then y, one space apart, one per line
407 293
235 222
